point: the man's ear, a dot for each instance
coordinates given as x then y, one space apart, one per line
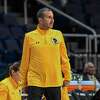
39 19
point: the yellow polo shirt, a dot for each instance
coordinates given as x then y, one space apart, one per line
9 90
44 59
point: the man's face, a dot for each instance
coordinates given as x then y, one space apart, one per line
92 71
47 20
16 75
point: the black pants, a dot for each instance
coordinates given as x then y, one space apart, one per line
51 93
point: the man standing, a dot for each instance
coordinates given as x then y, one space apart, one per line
44 59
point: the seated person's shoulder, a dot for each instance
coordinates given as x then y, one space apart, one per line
3 84
3 88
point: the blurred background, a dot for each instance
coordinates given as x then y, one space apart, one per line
79 20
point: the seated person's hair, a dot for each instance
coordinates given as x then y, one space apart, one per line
89 66
15 67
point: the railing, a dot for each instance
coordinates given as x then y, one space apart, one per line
89 38
79 56
82 58
72 19
25 12
5 7
61 13
93 36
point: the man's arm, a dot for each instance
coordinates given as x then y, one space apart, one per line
25 61
65 64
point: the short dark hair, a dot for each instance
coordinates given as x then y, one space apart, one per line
40 13
15 67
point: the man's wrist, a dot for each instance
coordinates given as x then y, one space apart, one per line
66 83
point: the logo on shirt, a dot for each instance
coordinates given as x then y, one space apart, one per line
37 42
54 41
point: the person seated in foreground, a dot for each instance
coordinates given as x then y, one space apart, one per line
10 87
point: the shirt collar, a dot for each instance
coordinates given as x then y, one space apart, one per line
41 31
14 83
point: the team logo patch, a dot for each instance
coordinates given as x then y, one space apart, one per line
54 41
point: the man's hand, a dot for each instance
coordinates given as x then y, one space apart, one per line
65 83
24 90
24 93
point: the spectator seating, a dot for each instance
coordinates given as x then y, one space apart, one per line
10 19
95 21
3 70
17 31
4 31
13 52
1 17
